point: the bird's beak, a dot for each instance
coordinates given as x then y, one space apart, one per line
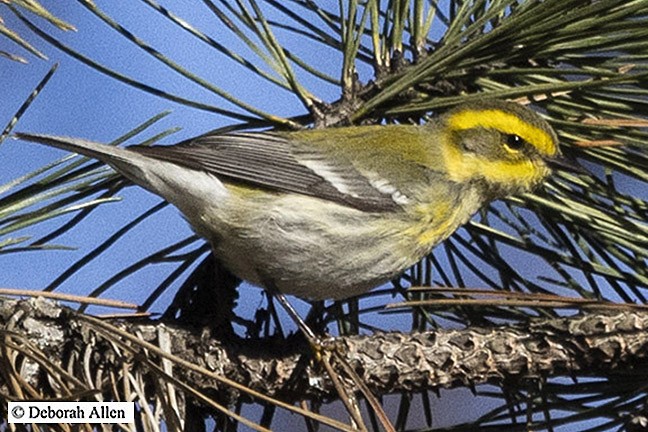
561 162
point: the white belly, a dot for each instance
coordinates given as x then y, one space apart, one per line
306 246
315 253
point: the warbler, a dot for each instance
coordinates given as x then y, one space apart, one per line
333 213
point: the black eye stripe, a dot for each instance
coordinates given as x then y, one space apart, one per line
514 142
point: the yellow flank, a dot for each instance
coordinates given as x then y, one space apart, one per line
504 122
463 167
436 219
243 191
436 222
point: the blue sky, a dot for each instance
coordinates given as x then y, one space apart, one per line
78 101
81 102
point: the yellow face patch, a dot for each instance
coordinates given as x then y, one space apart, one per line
506 123
464 167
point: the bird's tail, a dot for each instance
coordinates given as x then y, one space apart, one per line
173 182
105 153
138 168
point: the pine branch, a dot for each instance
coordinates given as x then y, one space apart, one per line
589 344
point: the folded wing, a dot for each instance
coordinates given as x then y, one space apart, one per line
275 162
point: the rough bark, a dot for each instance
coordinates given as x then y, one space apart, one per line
595 343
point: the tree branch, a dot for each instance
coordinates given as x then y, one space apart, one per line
587 344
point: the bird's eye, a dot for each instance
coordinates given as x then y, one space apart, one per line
514 142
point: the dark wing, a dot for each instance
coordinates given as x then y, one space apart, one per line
270 160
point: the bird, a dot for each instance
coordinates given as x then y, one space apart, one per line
333 213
